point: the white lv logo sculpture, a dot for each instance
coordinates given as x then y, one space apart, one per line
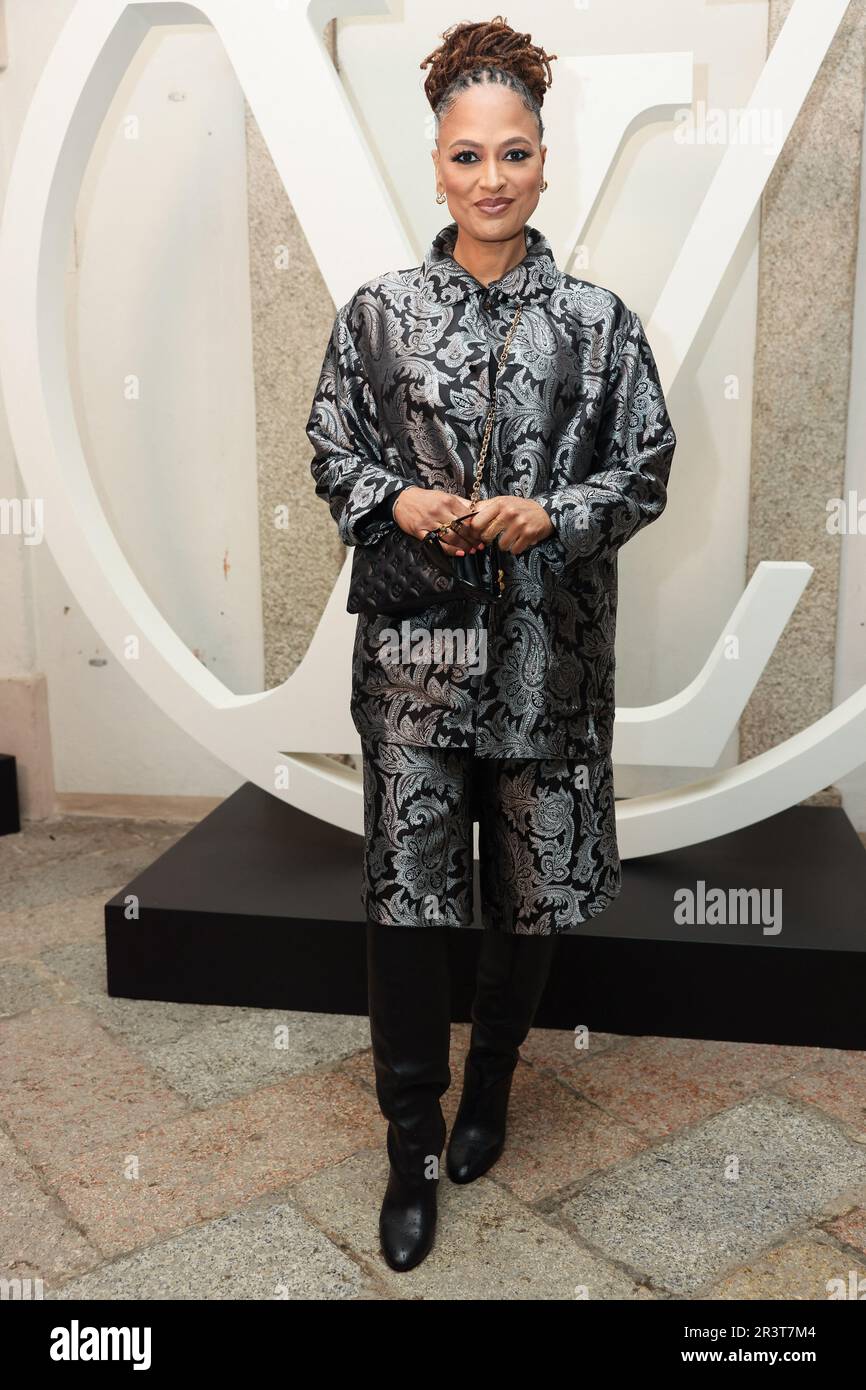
289 81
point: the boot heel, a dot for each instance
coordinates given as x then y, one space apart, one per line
478 1133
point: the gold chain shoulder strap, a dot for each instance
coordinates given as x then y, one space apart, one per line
482 454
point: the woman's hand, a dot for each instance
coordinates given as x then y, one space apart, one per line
420 509
515 523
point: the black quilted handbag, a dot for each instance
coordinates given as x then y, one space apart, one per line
402 574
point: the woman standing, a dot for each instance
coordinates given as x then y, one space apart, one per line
514 726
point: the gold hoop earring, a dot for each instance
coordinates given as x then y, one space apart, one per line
440 197
544 185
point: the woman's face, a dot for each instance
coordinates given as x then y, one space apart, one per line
489 162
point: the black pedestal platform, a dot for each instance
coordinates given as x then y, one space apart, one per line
10 821
259 905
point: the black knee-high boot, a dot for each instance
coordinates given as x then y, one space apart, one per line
408 985
512 973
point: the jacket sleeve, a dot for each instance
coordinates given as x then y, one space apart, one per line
383 512
343 428
627 488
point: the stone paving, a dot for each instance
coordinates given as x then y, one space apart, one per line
153 1150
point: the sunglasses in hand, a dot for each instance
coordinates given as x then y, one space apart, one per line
449 526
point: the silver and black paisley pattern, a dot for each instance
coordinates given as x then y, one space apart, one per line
581 426
547 839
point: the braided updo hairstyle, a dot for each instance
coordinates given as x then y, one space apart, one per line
489 51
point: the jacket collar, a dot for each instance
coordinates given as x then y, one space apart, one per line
531 281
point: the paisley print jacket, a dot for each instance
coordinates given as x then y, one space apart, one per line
581 426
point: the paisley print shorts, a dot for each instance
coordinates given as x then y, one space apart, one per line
548 855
